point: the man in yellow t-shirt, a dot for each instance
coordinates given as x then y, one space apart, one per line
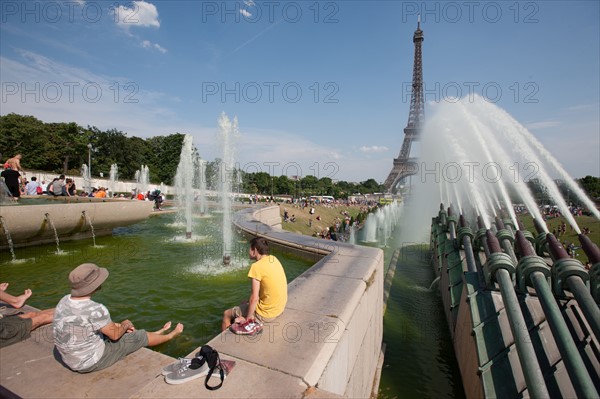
269 290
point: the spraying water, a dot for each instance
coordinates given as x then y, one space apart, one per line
89 222
8 238
58 250
184 179
553 163
87 179
142 177
113 177
486 147
202 184
228 132
520 142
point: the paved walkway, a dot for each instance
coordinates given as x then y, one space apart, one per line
32 369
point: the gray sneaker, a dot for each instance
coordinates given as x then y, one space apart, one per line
185 374
182 362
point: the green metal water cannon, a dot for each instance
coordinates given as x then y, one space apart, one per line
508 223
564 266
526 233
443 218
452 223
480 234
496 260
529 263
541 245
504 233
593 253
464 230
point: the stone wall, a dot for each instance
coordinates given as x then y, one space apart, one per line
331 333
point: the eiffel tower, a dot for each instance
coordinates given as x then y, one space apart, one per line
403 165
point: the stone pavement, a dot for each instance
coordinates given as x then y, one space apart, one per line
31 369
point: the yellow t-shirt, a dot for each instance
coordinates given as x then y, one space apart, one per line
272 296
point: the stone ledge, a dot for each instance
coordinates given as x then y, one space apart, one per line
290 359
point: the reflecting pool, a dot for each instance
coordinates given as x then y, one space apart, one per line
155 276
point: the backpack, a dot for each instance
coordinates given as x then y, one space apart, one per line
214 361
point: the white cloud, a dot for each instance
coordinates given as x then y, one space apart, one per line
542 124
160 48
56 92
149 45
141 13
156 113
373 148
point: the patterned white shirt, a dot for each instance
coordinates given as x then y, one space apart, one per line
77 336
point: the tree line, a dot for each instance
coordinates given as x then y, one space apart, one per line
63 148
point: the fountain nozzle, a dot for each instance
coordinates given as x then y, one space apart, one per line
524 247
590 249
539 226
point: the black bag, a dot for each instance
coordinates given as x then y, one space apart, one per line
214 361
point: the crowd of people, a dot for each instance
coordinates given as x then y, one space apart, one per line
18 184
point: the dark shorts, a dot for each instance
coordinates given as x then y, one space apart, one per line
14 329
15 190
117 350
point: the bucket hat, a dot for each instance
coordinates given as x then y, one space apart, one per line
86 278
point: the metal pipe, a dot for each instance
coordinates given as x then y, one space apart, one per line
557 251
452 224
541 246
591 250
586 303
467 236
527 357
483 242
442 216
593 254
530 365
582 382
503 234
575 276
539 226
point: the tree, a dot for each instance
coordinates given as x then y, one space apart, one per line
591 185
371 186
24 135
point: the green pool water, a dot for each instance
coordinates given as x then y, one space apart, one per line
155 276
419 357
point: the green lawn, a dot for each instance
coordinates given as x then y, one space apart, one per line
328 216
571 235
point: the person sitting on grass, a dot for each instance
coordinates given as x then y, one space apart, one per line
18 327
85 335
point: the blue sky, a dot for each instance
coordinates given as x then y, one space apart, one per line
323 85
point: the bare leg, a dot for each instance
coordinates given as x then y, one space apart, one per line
39 318
15 301
3 286
157 339
227 317
165 328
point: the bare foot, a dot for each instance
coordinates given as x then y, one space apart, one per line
3 286
176 331
20 300
165 328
